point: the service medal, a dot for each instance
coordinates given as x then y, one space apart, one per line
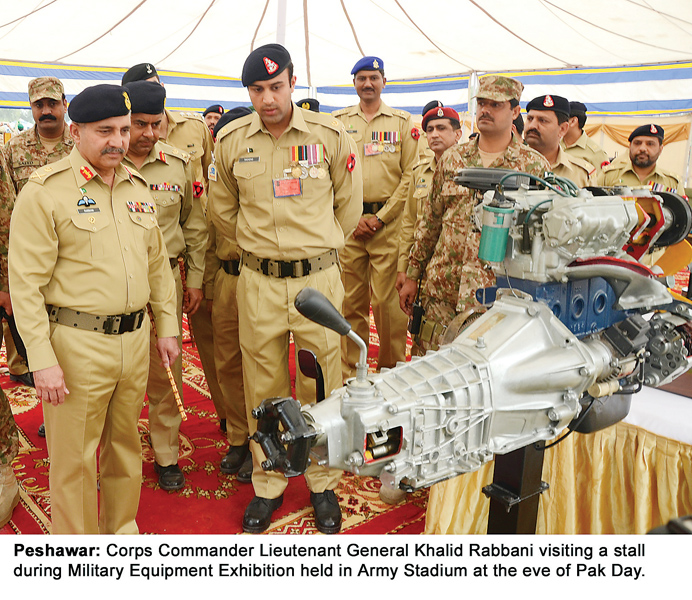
313 172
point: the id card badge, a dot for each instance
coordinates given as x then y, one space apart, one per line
211 175
287 187
372 149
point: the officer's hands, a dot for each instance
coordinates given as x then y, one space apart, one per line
195 297
367 227
400 278
168 350
407 295
50 385
6 303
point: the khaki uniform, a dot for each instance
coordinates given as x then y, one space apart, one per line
588 150
8 429
188 132
251 206
620 172
578 170
24 154
421 179
79 244
220 284
446 239
369 268
167 171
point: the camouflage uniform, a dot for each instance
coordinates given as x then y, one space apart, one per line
446 240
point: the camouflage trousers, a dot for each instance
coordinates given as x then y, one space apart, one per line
437 316
9 440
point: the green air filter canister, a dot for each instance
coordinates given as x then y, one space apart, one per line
496 223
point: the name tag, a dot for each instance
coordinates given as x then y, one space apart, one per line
83 211
247 159
287 187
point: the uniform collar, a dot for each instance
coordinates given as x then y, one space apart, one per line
562 159
155 154
85 172
297 122
657 171
580 143
33 139
382 110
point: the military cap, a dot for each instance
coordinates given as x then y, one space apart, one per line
231 115
139 72
557 104
577 108
309 104
265 62
214 108
441 112
99 102
499 88
430 105
146 97
46 87
650 130
368 63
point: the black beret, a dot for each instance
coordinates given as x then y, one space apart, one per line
650 130
214 108
266 62
309 104
231 115
147 97
430 105
99 102
140 72
577 108
557 104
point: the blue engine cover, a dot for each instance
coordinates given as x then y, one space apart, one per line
584 306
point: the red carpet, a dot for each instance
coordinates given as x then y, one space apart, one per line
210 502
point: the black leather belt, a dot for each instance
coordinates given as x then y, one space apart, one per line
174 262
370 208
290 268
109 324
232 267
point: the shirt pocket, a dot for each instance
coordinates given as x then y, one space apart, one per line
249 176
168 206
90 231
144 223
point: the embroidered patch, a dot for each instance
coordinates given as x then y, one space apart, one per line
197 189
351 163
415 133
270 65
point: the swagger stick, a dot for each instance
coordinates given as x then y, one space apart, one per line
176 393
186 294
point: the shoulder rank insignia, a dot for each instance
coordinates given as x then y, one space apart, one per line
86 172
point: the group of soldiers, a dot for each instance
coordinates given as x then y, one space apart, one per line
134 215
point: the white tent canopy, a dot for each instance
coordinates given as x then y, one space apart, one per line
326 37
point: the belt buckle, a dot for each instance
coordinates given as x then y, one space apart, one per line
109 324
286 269
127 322
307 267
264 266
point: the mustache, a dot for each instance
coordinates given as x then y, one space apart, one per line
47 118
110 150
535 131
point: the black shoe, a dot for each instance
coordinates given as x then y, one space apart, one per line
258 514
42 430
170 477
25 379
222 425
327 511
245 472
234 458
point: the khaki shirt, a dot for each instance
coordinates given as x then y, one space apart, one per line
249 201
168 173
579 171
77 243
25 153
386 175
588 150
188 132
620 172
421 179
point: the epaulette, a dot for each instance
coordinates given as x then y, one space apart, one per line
173 151
402 114
325 119
191 115
233 125
583 163
670 174
42 173
341 111
134 173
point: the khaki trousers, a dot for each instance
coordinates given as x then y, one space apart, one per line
106 376
228 358
164 417
369 277
16 364
266 318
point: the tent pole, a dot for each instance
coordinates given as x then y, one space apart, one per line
688 156
472 90
281 23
